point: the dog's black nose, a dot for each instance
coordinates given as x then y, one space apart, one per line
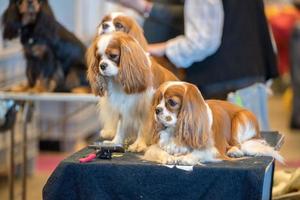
158 110
103 66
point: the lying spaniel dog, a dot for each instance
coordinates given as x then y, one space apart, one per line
189 130
54 56
126 77
118 21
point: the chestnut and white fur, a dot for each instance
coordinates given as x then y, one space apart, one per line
189 130
124 75
118 21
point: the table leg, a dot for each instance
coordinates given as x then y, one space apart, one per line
26 112
12 163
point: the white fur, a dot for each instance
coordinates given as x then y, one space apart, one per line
112 69
103 43
198 156
195 157
245 132
155 154
162 117
210 116
259 147
167 143
124 107
111 28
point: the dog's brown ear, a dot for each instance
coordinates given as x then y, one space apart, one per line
134 72
11 21
193 128
96 80
155 126
137 32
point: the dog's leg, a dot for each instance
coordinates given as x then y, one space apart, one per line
156 154
108 118
119 136
243 127
140 143
197 157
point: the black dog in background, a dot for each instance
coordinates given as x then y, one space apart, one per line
54 56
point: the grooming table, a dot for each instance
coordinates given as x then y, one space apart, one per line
129 177
26 100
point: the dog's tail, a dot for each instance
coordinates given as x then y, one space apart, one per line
259 147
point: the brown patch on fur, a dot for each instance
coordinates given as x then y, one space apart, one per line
155 126
134 68
227 117
192 122
97 81
166 63
161 74
133 29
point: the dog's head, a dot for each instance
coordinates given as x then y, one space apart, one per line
117 21
22 13
180 106
119 57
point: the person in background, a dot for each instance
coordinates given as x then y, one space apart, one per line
225 45
295 71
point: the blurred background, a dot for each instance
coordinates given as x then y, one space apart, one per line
59 129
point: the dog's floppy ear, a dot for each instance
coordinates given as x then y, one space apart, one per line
97 81
134 72
11 21
155 127
193 126
137 32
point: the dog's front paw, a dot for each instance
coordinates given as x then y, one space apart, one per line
169 160
181 151
112 142
137 147
187 160
169 148
107 134
235 152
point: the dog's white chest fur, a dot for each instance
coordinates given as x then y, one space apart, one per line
167 143
128 104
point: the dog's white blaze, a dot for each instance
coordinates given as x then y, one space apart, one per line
103 43
116 14
110 29
172 83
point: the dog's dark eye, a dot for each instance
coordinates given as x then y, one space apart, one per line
113 56
172 102
105 26
119 25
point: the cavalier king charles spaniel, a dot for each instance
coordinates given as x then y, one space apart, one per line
117 21
125 76
54 56
188 130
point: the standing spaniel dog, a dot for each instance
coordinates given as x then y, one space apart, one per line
118 21
126 77
54 56
189 130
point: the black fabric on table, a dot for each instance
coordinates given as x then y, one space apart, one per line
128 177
